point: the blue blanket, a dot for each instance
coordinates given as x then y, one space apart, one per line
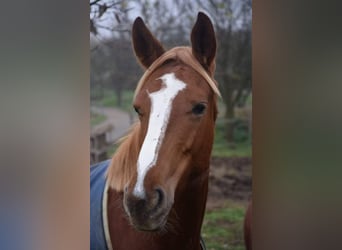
97 186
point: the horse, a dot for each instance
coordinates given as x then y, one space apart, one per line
154 189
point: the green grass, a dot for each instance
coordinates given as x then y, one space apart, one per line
96 119
223 228
222 148
110 100
249 100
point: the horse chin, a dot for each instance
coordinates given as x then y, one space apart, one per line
151 228
154 223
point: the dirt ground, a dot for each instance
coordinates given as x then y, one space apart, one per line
229 179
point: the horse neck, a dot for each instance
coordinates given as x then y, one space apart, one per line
190 207
192 191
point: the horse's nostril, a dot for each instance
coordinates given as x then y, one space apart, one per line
156 199
160 195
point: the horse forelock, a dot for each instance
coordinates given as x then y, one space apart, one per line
185 55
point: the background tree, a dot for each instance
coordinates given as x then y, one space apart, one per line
107 15
112 59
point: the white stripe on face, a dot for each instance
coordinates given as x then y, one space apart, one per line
161 105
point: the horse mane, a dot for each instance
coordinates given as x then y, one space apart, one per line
123 164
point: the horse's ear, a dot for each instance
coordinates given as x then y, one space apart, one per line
203 42
146 47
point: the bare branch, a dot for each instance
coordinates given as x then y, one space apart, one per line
94 2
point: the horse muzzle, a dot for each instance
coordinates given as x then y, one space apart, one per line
149 213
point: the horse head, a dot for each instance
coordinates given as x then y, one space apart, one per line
176 103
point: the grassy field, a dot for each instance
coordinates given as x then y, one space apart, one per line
110 100
222 148
223 228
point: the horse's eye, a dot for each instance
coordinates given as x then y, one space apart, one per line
137 110
198 109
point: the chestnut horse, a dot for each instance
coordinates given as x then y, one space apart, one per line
157 181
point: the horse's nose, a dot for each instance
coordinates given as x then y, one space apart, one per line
151 201
145 212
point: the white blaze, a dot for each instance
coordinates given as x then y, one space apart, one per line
161 105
